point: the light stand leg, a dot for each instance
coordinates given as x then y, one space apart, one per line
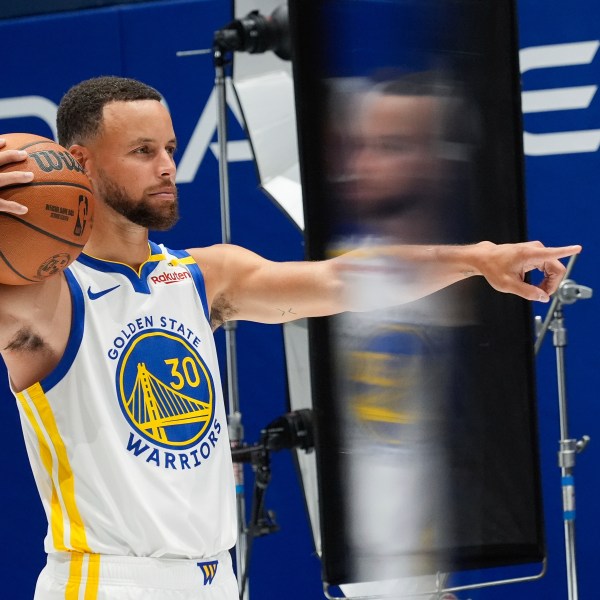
236 431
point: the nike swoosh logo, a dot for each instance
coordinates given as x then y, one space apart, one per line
96 295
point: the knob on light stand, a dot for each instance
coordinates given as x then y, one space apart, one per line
568 293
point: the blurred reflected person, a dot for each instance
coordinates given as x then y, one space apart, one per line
397 187
409 147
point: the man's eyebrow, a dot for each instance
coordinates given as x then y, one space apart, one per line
147 140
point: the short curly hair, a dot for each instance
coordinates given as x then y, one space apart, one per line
79 114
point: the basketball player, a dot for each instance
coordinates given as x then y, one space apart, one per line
114 367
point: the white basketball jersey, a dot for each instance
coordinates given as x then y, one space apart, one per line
127 437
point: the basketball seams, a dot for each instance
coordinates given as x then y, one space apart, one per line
17 273
40 230
45 183
34 144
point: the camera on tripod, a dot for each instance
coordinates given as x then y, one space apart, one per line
291 430
256 34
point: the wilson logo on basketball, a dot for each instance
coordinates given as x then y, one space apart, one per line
50 160
171 277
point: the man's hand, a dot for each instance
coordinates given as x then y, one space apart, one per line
12 178
504 266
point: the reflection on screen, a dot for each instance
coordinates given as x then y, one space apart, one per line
409 133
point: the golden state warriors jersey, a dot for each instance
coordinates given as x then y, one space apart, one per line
127 437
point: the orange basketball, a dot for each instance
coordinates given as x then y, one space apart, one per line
52 233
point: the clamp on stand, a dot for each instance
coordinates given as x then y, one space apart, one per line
568 293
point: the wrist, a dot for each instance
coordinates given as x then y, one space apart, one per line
469 260
478 257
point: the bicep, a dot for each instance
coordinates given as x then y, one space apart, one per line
242 285
280 292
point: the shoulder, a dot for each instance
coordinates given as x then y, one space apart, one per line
30 306
224 264
220 253
13 295
19 298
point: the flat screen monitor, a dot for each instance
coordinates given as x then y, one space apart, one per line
409 131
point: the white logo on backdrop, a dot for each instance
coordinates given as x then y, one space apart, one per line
204 132
30 106
237 150
558 99
534 101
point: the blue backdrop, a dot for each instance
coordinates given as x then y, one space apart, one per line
50 53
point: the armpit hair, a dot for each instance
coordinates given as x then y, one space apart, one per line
221 310
26 340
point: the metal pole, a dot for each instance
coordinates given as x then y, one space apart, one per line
568 293
236 430
566 454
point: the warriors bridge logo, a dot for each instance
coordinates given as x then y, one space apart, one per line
166 393
392 375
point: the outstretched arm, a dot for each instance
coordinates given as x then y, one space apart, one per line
12 178
428 269
243 286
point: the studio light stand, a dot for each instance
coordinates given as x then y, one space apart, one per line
236 429
568 293
253 33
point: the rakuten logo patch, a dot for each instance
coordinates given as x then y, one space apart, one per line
170 277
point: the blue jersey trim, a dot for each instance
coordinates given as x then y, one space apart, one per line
138 281
197 276
75 335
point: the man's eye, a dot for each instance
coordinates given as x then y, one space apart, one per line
172 150
142 150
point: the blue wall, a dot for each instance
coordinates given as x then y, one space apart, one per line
51 53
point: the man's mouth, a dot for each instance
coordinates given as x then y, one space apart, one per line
167 193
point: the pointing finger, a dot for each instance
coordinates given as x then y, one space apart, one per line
558 252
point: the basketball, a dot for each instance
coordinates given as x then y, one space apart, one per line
56 227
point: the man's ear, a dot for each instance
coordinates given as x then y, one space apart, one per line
81 155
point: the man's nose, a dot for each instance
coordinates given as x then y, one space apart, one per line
167 165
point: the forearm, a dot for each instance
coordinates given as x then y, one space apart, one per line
377 277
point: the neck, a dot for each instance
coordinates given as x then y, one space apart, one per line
115 238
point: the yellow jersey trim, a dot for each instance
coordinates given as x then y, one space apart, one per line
186 260
151 258
75 570
56 513
66 484
83 569
93 577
